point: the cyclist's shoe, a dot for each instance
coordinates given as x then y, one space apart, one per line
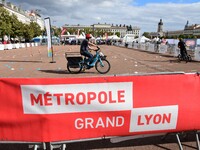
87 63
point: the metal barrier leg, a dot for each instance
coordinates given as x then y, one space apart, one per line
197 140
44 146
179 142
165 136
63 146
49 146
36 147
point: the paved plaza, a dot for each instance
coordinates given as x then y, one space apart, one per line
33 62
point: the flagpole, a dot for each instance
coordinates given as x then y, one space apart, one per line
49 39
52 61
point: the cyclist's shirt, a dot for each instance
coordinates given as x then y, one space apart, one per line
84 46
181 45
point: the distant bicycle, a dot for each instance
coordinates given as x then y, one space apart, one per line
185 57
80 63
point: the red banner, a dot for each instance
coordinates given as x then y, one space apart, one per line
47 110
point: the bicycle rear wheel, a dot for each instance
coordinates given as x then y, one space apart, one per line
189 58
74 68
179 57
102 66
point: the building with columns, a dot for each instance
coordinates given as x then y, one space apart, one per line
106 28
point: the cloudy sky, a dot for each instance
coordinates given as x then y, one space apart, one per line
142 13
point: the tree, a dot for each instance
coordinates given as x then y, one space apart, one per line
118 34
36 29
88 30
28 33
5 25
196 36
57 31
16 27
146 34
109 33
10 25
98 33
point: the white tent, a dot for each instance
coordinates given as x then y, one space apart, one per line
156 39
80 37
128 38
142 39
113 37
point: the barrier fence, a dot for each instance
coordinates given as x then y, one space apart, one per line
17 46
170 49
45 110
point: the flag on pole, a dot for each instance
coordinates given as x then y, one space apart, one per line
106 35
49 40
63 31
78 32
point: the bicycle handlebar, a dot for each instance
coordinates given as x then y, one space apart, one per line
98 48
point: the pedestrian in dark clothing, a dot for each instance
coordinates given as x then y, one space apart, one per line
181 45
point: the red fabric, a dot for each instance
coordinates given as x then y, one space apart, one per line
180 93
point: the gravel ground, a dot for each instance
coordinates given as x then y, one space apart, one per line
33 63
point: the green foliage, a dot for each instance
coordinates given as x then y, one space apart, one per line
5 25
184 36
146 34
10 25
88 30
118 34
57 31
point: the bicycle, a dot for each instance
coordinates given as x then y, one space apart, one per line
80 63
185 57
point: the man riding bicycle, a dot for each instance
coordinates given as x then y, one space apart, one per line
86 46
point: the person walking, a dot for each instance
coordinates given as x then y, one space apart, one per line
181 46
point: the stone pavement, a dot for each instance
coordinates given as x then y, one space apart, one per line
33 62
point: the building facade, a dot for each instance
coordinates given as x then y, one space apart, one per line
193 30
22 15
160 28
159 32
106 28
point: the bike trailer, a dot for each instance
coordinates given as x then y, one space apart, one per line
73 59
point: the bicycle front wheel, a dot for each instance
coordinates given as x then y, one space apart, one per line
74 68
102 66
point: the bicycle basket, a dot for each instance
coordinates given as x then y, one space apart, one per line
73 62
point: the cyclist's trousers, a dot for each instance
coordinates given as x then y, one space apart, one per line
87 54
